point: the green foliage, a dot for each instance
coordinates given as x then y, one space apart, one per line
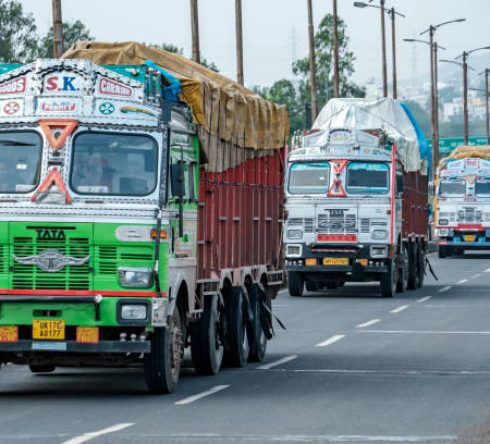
72 33
18 38
176 50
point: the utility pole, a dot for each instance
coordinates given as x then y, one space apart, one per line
196 52
57 29
465 96
391 12
433 93
239 42
487 113
336 76
436 104
311 34
383 46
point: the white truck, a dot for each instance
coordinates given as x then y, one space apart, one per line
356 199
462 201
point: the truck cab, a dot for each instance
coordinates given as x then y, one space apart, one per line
462 204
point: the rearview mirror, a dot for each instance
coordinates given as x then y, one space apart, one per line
177 180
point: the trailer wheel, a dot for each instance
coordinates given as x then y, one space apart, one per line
237 350
35 368
402 283
388 281
258 339
295 283
207 339
421 267
162 365
442 252
412 266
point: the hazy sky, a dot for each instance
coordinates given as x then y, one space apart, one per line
269 27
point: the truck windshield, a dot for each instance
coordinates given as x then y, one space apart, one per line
454 188
482 188
309 178
20 156
367 178
114 164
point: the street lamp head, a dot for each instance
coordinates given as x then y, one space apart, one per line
360 4
433 28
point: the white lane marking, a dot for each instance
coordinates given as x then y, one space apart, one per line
427 332
399 309
368 323
217 437
487 270
193 398
477 275
342 371
91 435
330 341
424 299
443 289
276 363
462 281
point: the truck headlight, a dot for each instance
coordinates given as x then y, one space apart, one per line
379 234
135 277
379 251
295 234
293 250
442 232
134 312
443 222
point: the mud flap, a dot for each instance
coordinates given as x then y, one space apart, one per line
429 266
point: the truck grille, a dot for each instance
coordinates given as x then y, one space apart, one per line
470 215
306 222
337 223
365 226
32 277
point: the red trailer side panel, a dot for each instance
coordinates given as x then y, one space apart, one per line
240 215
415 200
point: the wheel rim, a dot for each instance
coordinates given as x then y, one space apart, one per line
177 342
216 344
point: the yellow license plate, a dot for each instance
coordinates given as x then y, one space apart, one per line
335 261
48 329
9 334
88 335
470 238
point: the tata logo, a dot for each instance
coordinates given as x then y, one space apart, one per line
52 260
50 234
62 83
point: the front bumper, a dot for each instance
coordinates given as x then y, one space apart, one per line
359 256
76 347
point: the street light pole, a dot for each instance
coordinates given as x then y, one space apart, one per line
391 12
196 53
436 105
487 113
57 29
239 41
336 80
313 90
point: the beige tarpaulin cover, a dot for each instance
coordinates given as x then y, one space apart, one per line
464 152
229 115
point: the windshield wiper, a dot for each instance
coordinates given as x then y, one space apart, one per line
14 143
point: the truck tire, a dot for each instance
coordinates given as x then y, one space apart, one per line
256 334
388 281
412 266
402 283
46 368
295 284
442 252
237 344
421 267
207 339
311 286
162 365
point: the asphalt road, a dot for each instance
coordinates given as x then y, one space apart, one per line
351 368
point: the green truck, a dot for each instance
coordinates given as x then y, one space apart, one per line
121 244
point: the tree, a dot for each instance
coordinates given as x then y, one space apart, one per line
18 39
324 62
72 33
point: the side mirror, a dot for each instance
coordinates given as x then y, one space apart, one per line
177 180
399 184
